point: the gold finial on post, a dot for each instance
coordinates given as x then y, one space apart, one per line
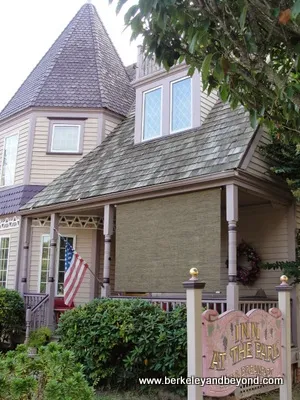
284 280
194 274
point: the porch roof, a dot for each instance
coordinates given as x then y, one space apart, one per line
119 165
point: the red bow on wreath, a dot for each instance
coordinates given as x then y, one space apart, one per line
247 275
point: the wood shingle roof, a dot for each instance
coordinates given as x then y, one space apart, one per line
81 70
118 165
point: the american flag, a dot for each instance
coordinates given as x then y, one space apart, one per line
75 269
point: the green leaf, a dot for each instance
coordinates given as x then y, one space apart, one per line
206 67
296 9
120 5
224 93
253 118
243 17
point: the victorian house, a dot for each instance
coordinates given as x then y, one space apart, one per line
146 176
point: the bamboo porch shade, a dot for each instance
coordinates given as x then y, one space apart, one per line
159 240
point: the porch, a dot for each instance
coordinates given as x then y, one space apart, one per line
264 220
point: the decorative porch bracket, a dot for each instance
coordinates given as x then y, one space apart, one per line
108 228
232 218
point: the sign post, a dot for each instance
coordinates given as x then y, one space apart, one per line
194 332
284 300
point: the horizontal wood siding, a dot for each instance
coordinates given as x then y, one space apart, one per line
206 102
13 235
84 246
258 164
46 167
266 229
20 127
110 124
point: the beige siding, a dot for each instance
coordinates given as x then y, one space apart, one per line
46 167
13 234
84 246
266 229
258 165
110 124
21 127
206 102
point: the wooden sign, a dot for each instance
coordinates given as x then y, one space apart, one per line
239 345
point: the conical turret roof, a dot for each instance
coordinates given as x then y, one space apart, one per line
82 69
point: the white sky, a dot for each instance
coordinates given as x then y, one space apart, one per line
29 27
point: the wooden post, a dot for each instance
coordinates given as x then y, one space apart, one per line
232 218
52 268
28 324
284 304
26 229
108 228
194 332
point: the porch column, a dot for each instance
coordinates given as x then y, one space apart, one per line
232 218
26 233
108 227
51 272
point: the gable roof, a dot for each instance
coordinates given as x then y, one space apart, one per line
82 69
12 199
119 165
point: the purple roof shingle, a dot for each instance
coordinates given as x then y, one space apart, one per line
82 69
12 199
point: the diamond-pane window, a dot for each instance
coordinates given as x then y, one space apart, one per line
181 105
152 114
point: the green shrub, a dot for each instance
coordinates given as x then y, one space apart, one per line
52 375
119 341
12 316
40 337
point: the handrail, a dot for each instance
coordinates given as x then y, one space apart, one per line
44 300
36 317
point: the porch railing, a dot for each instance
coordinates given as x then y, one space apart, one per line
218 303
36 315
32 299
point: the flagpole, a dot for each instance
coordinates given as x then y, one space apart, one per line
97 279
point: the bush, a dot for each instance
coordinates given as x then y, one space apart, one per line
12 316
119 341
52 375
40 337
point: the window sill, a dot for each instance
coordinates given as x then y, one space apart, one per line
55 153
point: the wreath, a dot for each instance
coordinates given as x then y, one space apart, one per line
247 275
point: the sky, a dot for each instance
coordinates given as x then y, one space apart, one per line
29 27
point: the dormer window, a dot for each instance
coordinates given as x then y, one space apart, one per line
167 103
181 105
66 137
152 113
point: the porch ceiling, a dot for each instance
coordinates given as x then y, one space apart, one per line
245 199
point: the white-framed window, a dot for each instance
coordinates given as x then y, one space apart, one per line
4 255
60 263
181 105
9 160
65 138
152 113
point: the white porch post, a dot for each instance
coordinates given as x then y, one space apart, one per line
284 305
51 272
108 227
232 219
26 230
